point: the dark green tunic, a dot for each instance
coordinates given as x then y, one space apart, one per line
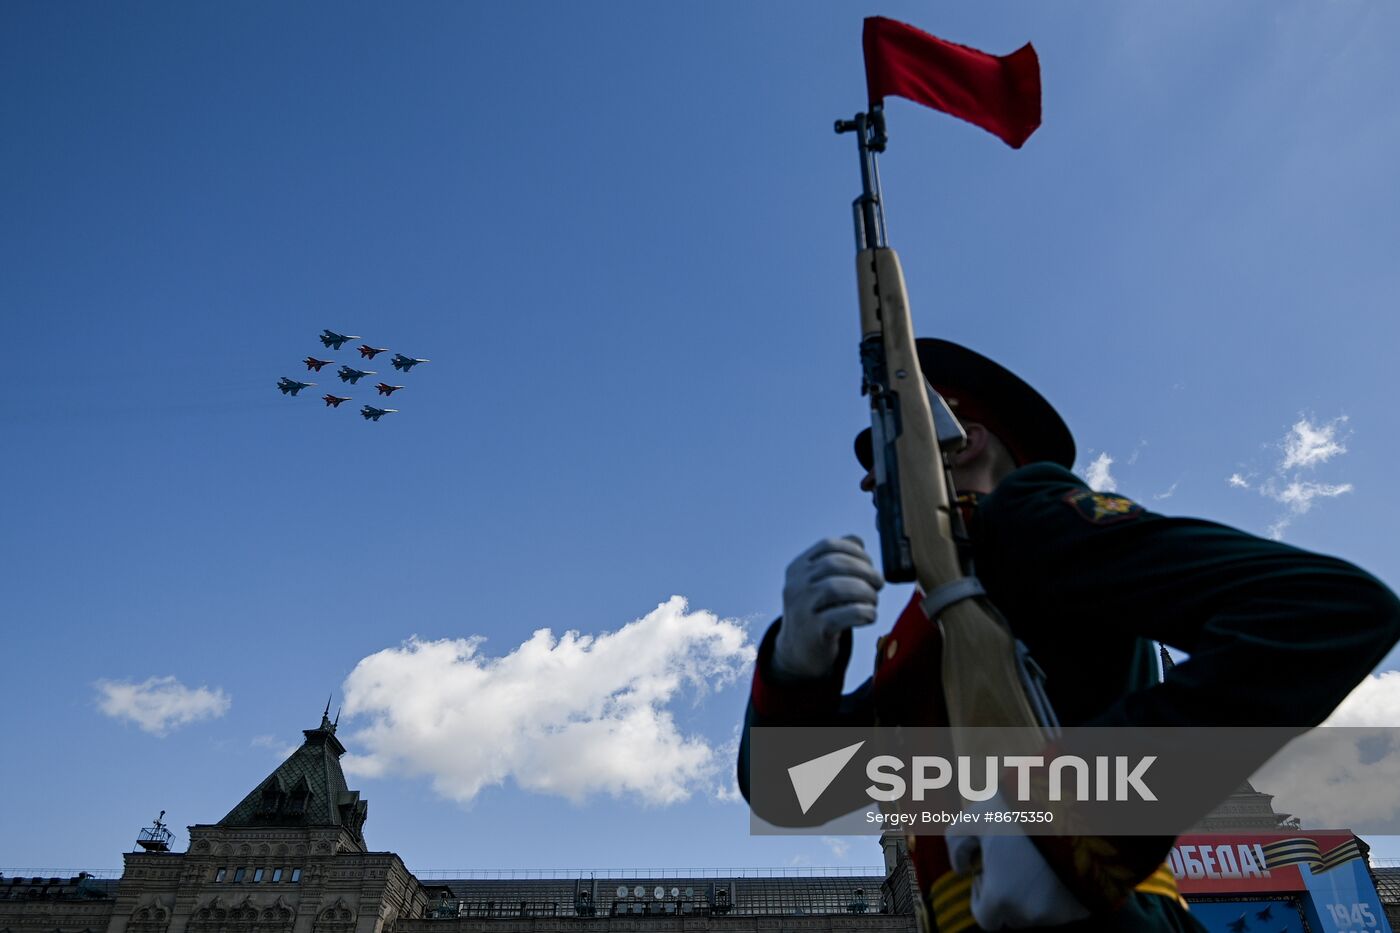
1277 636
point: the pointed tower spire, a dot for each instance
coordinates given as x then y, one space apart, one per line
326 724
1167 662
307 789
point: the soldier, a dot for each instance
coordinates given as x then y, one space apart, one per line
1086 580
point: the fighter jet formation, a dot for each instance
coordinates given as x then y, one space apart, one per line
291 386
351 375
374 414
335 341
1241 923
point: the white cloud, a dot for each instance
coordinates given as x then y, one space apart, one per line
1171 491
1338 777
840 846
1345 773
1097 475
725 786
1374 702
159 704
1306 446
282 750
573 716
1298 496
1309 444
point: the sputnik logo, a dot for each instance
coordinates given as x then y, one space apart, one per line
811 778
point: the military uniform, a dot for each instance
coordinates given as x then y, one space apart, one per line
1277 636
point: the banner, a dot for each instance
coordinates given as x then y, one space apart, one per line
1258 862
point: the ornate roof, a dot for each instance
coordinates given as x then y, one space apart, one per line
1388 883
308 789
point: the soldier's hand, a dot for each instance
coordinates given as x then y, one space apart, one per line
831 587
1014 887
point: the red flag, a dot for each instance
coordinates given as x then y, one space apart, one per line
1000 93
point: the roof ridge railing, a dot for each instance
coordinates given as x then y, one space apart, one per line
549 874
62 874
572 874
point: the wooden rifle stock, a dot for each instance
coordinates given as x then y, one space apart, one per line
981 679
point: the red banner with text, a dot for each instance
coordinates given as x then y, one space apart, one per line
1217 864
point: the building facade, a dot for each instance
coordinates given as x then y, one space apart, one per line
291 857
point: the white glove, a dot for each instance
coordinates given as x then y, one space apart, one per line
1014 887
830 587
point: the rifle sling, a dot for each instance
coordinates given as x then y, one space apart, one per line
942 597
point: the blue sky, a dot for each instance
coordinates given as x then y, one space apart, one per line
621 233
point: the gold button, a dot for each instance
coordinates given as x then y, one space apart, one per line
891 649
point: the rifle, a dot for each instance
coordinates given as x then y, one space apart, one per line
986 672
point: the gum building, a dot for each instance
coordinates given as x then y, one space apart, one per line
291 857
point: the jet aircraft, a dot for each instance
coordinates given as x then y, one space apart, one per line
1266 914
1238 926
386 389
374 414
335 341
313 363
352 376
333 401
291 386
404 363
369 352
